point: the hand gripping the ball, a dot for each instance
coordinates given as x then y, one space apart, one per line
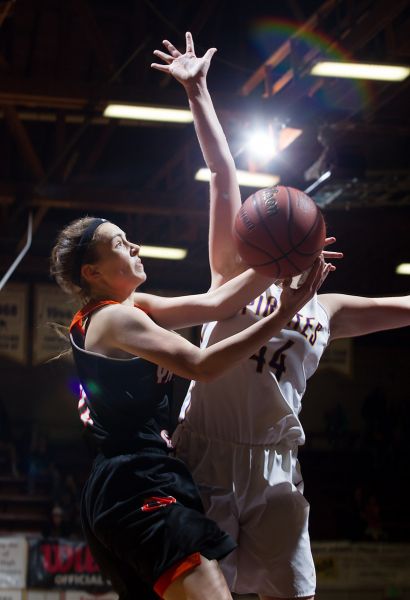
291 299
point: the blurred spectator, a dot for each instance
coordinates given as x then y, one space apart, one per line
356 521
57 526
7 444
69 500
372 515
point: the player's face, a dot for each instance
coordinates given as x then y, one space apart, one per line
119 263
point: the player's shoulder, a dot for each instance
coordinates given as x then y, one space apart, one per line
117 316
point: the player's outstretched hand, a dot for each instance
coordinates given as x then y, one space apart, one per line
293 300
187 68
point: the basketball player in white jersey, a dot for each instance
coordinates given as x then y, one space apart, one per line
240 434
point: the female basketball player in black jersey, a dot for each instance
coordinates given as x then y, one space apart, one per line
141 512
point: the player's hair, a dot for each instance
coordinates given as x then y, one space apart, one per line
64 257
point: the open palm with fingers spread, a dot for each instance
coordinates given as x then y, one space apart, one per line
187 68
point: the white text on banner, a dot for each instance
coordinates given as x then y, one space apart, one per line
13 562
13 322
51 306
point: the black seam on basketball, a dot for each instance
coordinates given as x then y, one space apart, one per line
318 215
262 221
295 248
252 245
264 264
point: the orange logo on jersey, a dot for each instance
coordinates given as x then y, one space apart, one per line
155 502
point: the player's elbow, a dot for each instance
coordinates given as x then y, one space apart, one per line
220 306
207 369
201 372
200 364
222 165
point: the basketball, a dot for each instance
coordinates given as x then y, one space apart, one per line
279 232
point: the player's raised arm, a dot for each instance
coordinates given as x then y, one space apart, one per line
351 316
191 71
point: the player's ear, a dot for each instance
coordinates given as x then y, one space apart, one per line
90 273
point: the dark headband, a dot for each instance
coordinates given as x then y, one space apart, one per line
82 247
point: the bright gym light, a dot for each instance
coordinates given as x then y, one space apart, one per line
262 145
163 252
148 113
360 71
403 269
245 178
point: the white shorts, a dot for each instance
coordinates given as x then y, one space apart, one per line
254 493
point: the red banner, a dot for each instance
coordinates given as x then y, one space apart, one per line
63 564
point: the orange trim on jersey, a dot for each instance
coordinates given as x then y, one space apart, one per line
86 310
79 316
172 574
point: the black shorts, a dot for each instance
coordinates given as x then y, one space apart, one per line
141 515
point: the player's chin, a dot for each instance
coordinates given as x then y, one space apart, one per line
142 276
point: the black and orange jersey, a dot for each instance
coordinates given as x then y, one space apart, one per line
124 403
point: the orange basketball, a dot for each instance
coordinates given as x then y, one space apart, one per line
279 232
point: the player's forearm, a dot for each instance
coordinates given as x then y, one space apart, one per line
210 134
215 305
225 198
229 298
385 313
222 356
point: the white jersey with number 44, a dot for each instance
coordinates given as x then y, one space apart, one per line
258 401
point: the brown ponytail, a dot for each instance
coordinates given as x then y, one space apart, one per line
64 255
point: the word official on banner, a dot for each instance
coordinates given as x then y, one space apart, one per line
63 564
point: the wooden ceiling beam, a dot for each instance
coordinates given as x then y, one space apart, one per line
96 152
372 22
108 199
21 137
116 207
38 92
285 49
165 172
